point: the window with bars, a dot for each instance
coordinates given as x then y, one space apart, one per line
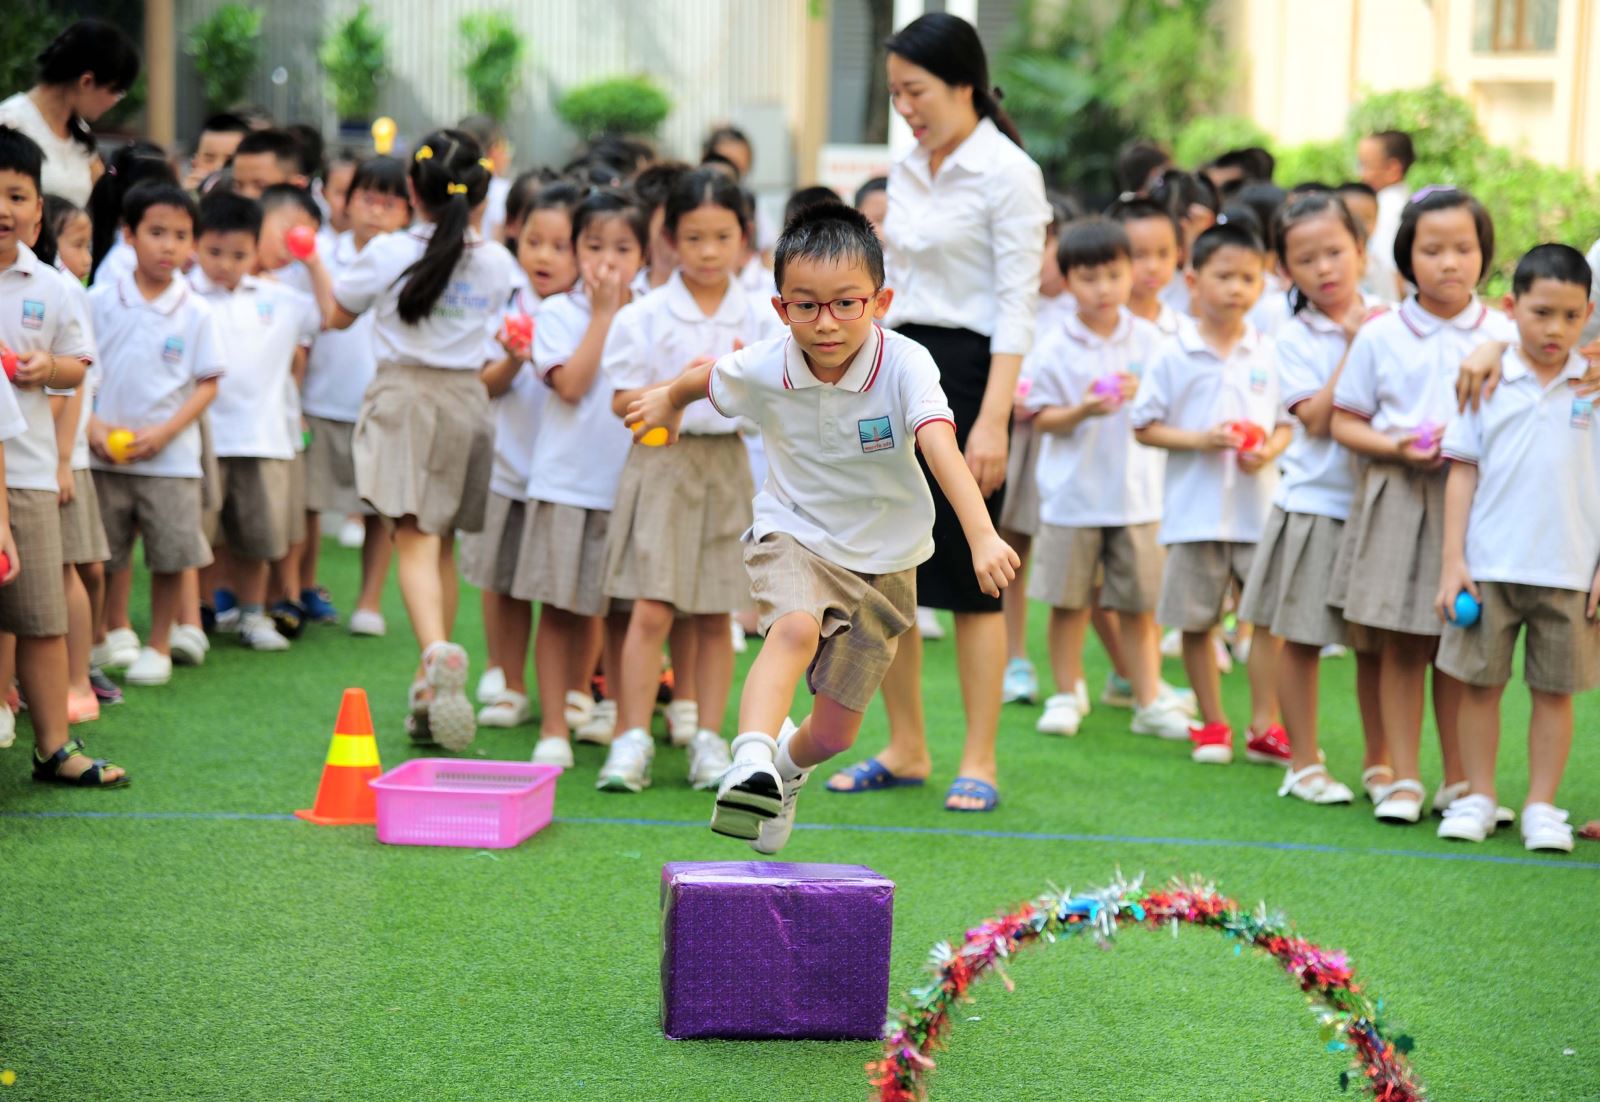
1514 26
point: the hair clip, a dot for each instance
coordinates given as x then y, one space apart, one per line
1433 189
423 153
455 189
1222 219
488 165
998 93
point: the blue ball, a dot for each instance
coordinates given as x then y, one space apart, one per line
1467 609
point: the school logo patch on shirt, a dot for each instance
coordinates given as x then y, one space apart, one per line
32 314
264 312
172 351
1258 380
877 434
1582 413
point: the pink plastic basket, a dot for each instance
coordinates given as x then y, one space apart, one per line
451 802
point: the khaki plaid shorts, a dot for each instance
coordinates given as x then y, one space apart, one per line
1196 582
1560 655
35 604
1066 563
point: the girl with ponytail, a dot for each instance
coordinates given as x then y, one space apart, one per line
134 163
423 443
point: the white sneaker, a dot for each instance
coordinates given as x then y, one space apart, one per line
1469 818
1314 785
1081 692
553 751
751 791
1172 644
1164 718
773 834
708 759
1447 794
8 728
627 767
928 625
740 644
451 722
258 632
491 685
1063 714
578 709
121 649
188 644
683 721
150 668
229 619
1183 698
511 710
352 534
1545 827
601 726
363 621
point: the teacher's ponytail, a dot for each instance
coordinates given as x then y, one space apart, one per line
948 47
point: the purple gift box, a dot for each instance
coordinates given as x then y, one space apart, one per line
753 949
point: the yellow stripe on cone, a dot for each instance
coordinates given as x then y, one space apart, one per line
344 797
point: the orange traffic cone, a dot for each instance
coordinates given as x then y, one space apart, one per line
344 797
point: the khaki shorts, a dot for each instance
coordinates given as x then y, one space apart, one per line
331 469
35 604
165 511
1291 578
255 493
1560 655
860 616
83 537
1196 581
1066 562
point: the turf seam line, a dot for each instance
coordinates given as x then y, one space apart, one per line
870 828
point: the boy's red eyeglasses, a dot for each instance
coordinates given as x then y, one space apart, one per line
802 312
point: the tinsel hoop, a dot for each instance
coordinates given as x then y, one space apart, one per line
1349 1019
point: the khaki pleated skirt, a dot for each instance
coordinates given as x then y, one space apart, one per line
563 558
424 446
1388 569
674 532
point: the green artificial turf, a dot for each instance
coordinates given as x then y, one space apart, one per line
149 955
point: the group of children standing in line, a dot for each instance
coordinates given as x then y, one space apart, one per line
640 427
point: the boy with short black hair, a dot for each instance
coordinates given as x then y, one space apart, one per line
842 406
1522 536
1211 399
267 157
265 328
220 136
40 327
160 363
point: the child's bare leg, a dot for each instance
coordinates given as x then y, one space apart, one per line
119 585
421 582
553 652
684 648
1400 689
1446 716
1263 670
1068 628
514 625
250 575
714 669
493 638
187 609
590 648
310 548
1369 667
1140 642
166 597
1200 664
93 576
827 732
648 628
1014 601
1108 626
769 687
1478 720
79 633
1549 742
1299 668
616 631
449 582
376 551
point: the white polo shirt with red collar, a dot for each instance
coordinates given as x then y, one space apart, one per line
152 355
38 312
842 472
1535 516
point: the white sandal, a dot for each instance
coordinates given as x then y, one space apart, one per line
1392 810
1370 783
1314 785
1450 793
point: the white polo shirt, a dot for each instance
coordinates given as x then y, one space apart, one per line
1382 275
1097 475
1207 497
1274 309
1535 516
582 445
519 412
153 353
79 295
653 339
38 312
1319 473
260 324
342 361
1402 367
842 473
461 322
1054 310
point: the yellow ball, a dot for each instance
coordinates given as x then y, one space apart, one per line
8 1078
654 438
118 441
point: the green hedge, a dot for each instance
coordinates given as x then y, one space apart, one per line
631 105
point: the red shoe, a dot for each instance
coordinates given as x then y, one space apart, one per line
1270 747
1213 743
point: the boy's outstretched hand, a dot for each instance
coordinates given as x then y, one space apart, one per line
995 563
654 410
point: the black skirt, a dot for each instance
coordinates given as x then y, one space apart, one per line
946 580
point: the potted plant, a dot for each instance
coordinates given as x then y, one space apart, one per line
353 59
226 48
495 53
632 106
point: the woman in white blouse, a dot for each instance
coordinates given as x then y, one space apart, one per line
82 74
963 241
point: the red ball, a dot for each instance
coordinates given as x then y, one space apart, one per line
1251 435
5 564
302 242
8 361
519 329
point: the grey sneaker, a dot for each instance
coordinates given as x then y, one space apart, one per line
451 721
708 759
627 767
751 791
773 834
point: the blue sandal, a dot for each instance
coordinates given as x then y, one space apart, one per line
972 788
48 770
872 776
